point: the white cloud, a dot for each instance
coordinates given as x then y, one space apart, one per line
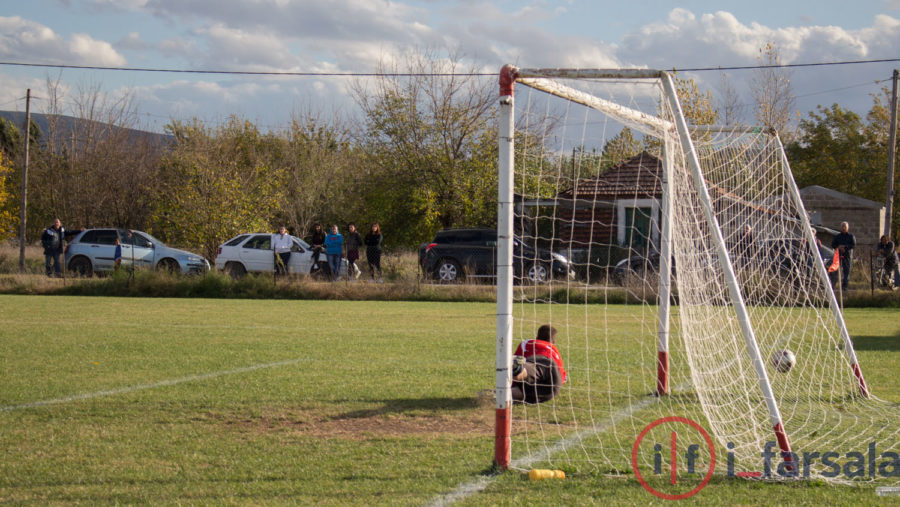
27 41
12 92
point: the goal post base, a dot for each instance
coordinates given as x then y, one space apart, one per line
502 426
862 381
662 373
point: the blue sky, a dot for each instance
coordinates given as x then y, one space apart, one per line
352 35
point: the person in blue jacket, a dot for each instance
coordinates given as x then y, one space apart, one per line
334 251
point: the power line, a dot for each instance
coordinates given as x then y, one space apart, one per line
787 65
409 74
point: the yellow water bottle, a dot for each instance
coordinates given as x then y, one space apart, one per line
539 474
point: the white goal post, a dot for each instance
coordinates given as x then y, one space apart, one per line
736 309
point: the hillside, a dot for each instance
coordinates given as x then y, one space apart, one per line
69 124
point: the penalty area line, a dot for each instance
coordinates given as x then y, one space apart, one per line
141 387
468 489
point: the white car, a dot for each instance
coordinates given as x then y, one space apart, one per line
93 251
253 253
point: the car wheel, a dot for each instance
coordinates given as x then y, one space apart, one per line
169 265
235 269
537 273
81 266
448 271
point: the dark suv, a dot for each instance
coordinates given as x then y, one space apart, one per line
456 254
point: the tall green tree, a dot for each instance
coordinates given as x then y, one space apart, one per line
833 150
9 219
431 147
320 173
215 183
836 148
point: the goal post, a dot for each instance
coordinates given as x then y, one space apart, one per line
737 299
701 230
502 421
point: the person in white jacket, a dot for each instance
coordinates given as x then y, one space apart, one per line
281 244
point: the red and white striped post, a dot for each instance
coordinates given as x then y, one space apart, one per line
503 421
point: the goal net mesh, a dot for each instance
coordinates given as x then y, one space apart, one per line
589 180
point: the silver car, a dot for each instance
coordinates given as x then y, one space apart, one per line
93 251
253 253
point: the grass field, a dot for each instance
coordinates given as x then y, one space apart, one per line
129 400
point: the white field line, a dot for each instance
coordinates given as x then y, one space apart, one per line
140 387
468 489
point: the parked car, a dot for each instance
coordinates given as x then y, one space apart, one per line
455 254
637 265
92 251
779 257
253 253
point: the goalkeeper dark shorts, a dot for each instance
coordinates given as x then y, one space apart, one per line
542 383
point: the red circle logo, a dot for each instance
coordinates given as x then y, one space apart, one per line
706 478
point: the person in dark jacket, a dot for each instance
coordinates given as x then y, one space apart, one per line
888 251
845 243
52 241
373 250
352 242
317 243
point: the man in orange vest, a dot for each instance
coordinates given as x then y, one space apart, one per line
538 370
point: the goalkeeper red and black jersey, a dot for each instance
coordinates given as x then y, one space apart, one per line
536 347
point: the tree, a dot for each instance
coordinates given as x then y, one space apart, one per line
8 207
833 150
772 91
699 108
320 173
96 167
730 102
216 183
621 147
431 147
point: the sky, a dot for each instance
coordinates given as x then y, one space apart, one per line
340 36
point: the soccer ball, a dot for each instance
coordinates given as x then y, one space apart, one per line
783 360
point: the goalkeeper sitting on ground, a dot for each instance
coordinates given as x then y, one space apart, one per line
538 371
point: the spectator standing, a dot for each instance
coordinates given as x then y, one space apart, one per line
352 243
317 243
52 241
845 243
117 255
373 250
281 244
334 250
888 251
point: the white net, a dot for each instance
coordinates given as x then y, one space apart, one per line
590 183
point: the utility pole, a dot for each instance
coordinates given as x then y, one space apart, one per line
892 155
24 182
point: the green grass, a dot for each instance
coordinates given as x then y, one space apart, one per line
349 402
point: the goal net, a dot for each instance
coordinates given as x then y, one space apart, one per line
701 290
